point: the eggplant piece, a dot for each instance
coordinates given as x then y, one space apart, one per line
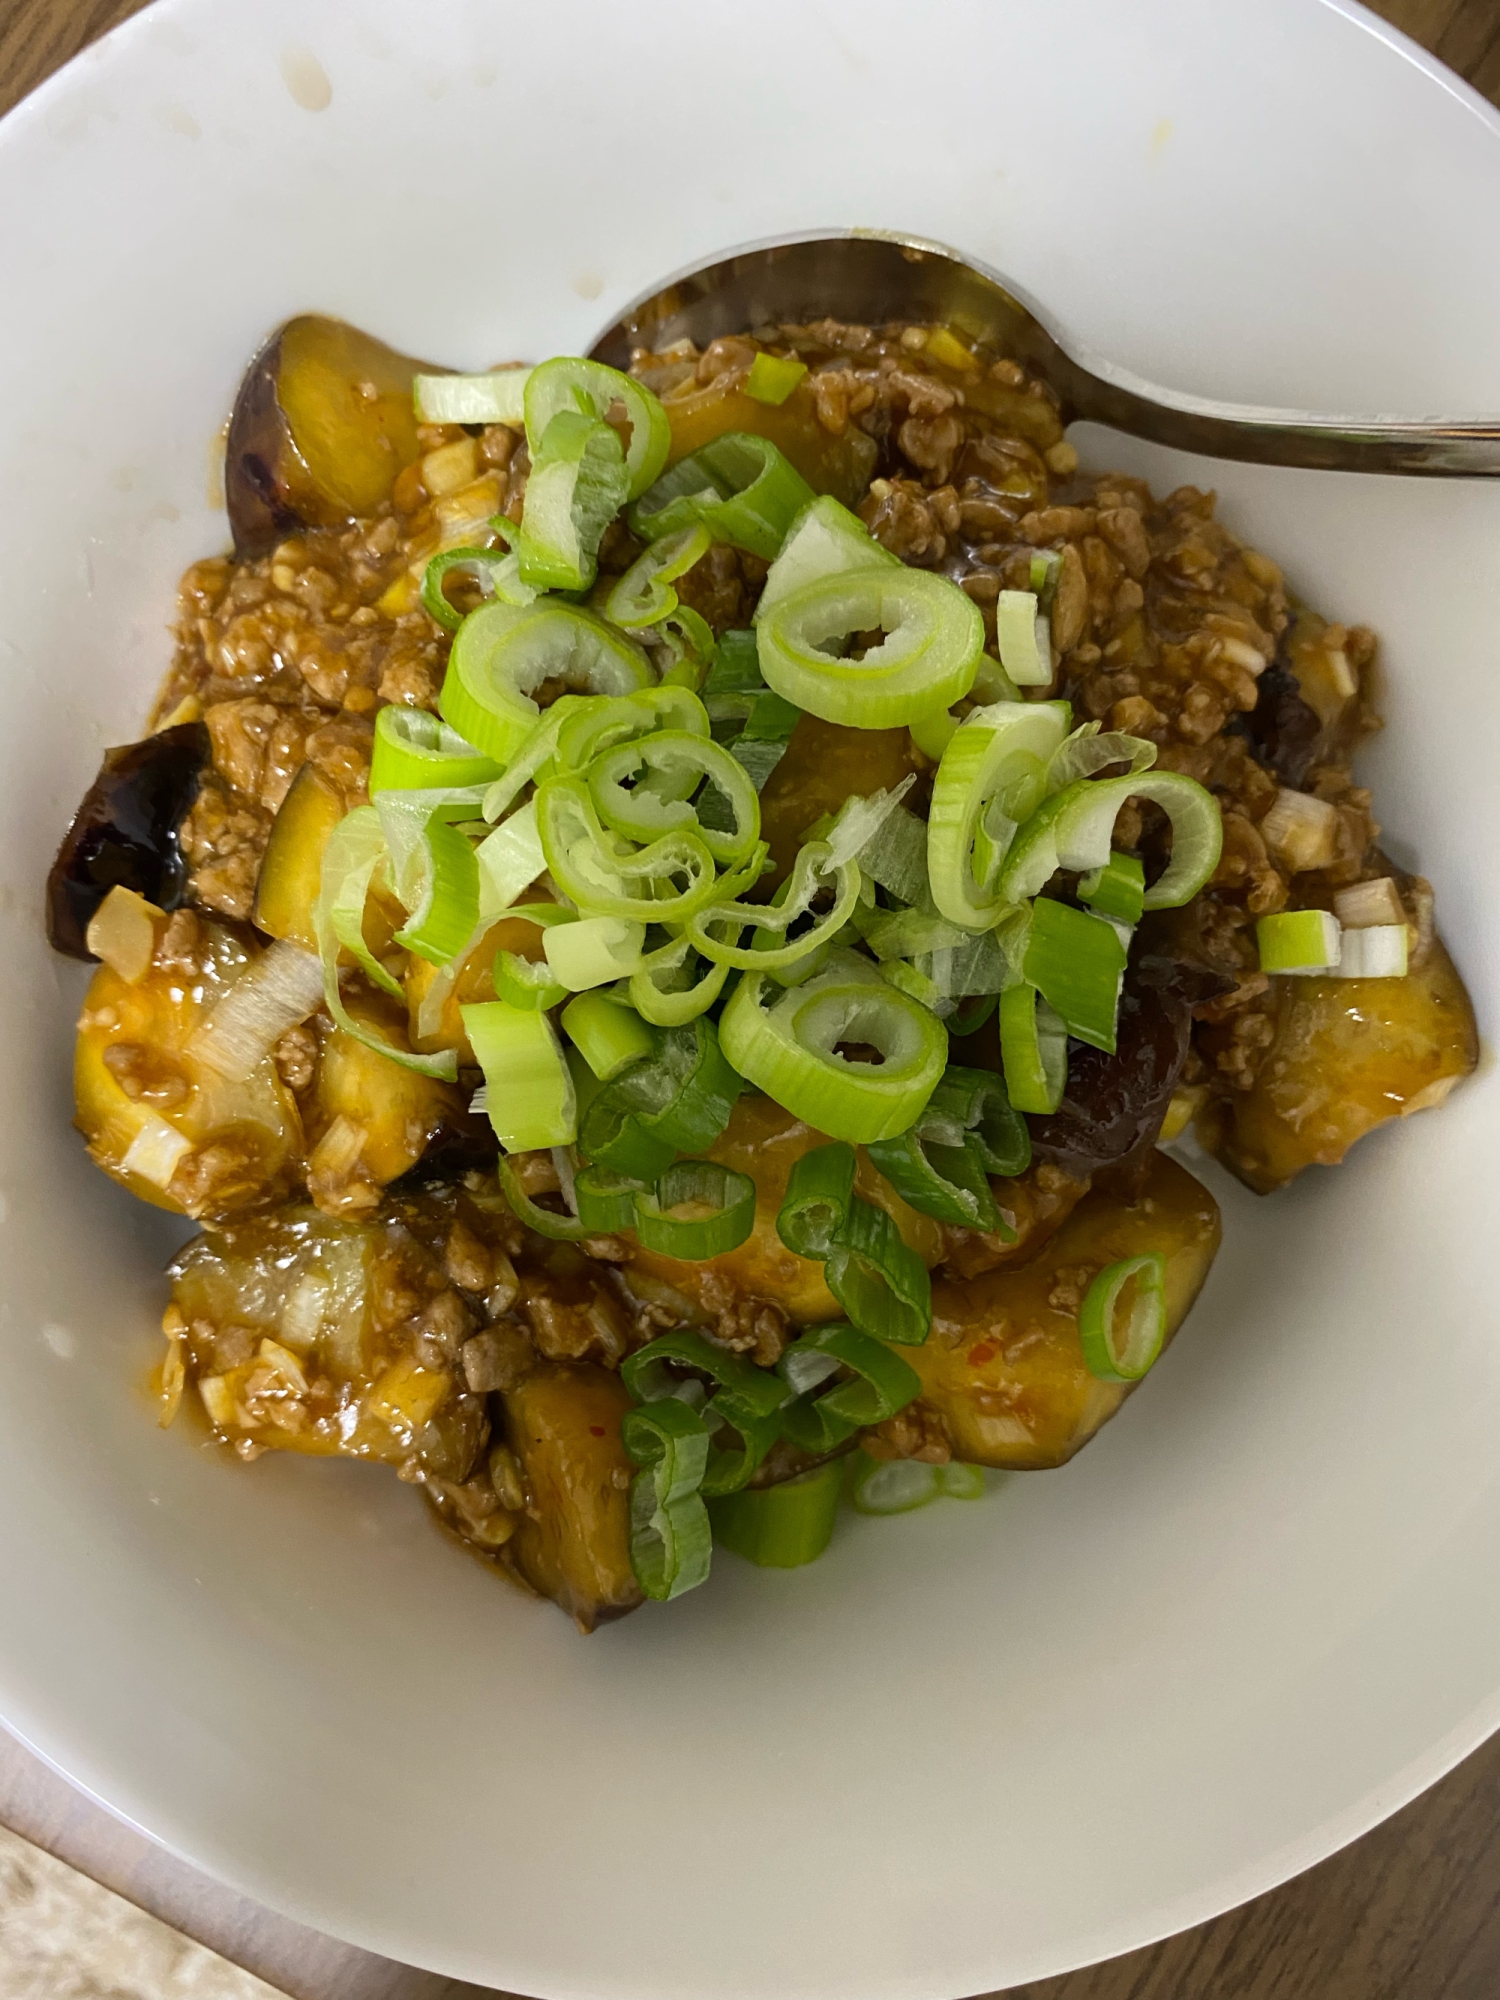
292 865
1348 1054
331 1336
766 1142
371 1120
160 1119
563 1424
125 833
322 425
1003 1373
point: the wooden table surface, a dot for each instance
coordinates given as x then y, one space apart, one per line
1411 1912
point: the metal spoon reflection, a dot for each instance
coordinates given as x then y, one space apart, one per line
870 278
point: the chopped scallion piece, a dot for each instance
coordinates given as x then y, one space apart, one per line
879 1281
720 1204
1298 941
1116 1353
773 377
594 951
503 652
521 982
415 750
496 398
670 1540
1023 638
608 1035
1117 890
1033 1051
738 486
530 1099
1077 963
781 1526
878 1384
1377 951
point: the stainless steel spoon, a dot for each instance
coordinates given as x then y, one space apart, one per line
869 277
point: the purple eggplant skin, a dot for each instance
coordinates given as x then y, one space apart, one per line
125 833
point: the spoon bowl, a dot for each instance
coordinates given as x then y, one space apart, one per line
868 277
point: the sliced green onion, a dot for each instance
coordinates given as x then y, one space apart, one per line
437 878
933 733
666 770
529 1094
598 726
1033 1050
509 861
1117 890
1301 941
894 852
356 850
1116 1353
882 1384
676 984
1046 566
665 882
609 1036
933 637
575 488
747 1399
812 876
1077 963
1375 951
881 1284
791 1050
594 951
644 595
670 1539
738 486
1074 828
557 1228
1023 638
606 1200
503 653
773 377
992 778
946 1182
720 1205
677 1102
971 1017
496 571
782 1526
521 982
1087 751
899 1485
589 389
496 398
824 540
537 750
416 751
893 1485
973 1106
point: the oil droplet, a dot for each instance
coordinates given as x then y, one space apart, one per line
588 284
61 1339
305 77
1160 133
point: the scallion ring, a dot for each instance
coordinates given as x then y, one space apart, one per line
1033 1051
991 779
781 1526
415 750
738 486
503 653
882 1383
666 882
670 1540
1123 1353
664 771
529 1092
644 594
720 1205
589 389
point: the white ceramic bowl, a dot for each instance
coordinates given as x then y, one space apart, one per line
975 1745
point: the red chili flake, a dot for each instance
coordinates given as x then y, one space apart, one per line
985 1351
596 1430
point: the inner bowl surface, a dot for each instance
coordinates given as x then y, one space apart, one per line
974 1745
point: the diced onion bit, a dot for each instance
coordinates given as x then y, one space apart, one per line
1379 951
156 1151
1122 1353
1300 831
1368 904
1299 941
122 933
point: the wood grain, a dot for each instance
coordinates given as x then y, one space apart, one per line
1411 1912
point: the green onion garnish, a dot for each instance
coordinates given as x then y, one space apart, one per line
773 377
496 571
1377 951
670 1539
609 1036
881 1283
496 398
574 490
415 750
877 1384
1077 963
606 1200
899 1485
746 1398
721 1204
782 1526
594 951
1117 890
523 982
1299 941
1023 638
933 638
1117 1353
644 595
570 386
529 1093
739 487
825 540
991 779
503 652
1033 1050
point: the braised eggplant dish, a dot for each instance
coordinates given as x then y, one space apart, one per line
664 921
